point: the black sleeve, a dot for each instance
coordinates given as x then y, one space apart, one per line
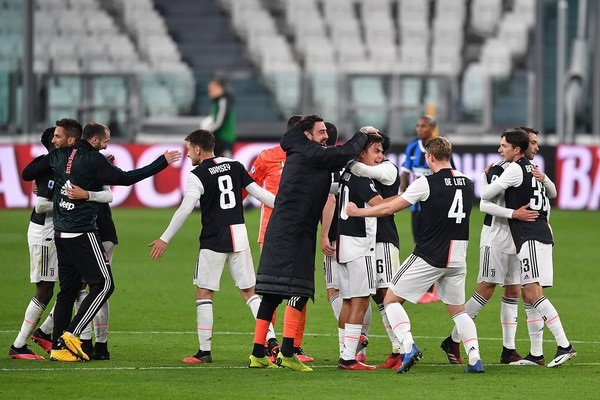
37 168
334 158
246 178
366 189
108 174
494 172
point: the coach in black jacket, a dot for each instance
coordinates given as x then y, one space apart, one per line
287 262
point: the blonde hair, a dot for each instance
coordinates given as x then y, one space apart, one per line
440 148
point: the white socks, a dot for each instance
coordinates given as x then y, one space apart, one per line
550 315
336 305
48 324
101 323
535 327
204 320
341 334
86 334
351 338
254 303
396 346
400 324
32 316
468 333
472 308
508 320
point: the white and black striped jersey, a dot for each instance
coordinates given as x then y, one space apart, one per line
356 236
41 225
219 189
446 200
332 236
528 191
386 226
496 231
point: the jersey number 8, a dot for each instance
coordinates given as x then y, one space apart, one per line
227 197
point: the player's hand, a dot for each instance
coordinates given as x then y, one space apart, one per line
371 130
110 158
352 210
537 174
76 193
34 188
487 169
326 246
172 156
524 214
158 248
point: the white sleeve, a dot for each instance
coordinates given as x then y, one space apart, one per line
494 209
105 196
386 172
192 194
261 194
550 188
511 177
43 205
417 191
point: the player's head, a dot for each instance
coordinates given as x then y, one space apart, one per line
425 127
332 134
514 142
372 153
216 87
293 121
198 142
66 133
97 134
46 138
314 129
533 147
438 149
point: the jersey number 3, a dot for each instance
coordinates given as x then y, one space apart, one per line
456 209
227 197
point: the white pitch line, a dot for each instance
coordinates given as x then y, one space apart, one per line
167 368
308 334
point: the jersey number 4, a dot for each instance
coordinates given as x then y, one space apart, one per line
456 209
227 197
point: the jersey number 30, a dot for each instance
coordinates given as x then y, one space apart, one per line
227 197
456 209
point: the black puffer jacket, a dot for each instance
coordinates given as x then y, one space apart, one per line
287 262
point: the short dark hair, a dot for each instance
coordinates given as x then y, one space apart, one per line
332 134
94 129
528 130
387 142
307 123
373 139
440 148
293 121
46 138
516 137
72 127
202 138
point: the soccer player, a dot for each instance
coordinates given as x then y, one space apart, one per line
499 265
387 248
356 255
415 165
217 182
80 252
439 256
286 269
222 114
533 240
266 171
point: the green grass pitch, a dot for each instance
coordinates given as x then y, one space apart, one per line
152 327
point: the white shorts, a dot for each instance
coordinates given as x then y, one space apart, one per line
387 263
416 276
332 271
498 267
536 263
43 263
210 264
357 278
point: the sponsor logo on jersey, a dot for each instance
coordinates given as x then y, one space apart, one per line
219 168
66 205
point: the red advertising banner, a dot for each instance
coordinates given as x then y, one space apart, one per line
578 177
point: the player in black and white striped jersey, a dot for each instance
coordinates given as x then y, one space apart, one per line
533 240
217 182
446 198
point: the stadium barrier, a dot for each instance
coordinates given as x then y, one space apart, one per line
575 170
